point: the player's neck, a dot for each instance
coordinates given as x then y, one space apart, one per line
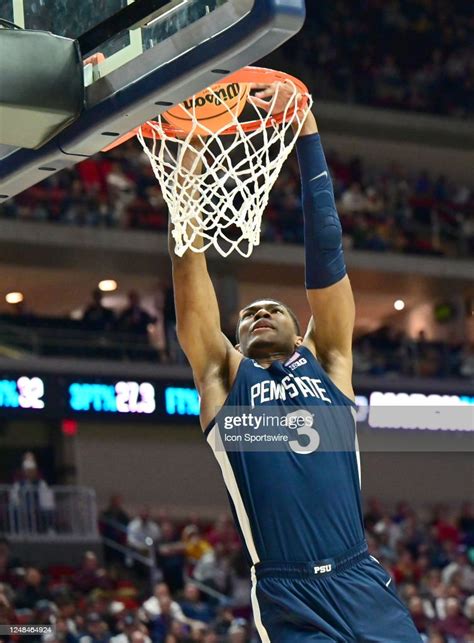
267 360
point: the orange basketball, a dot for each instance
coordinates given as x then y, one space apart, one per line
215 109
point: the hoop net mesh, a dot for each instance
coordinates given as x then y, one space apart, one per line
218 200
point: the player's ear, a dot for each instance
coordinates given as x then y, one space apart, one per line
237 347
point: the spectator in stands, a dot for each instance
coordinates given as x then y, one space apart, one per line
134 319
193 606
61 633
195 545
143 532
68 613
31 499
113 523
455 625
151 608
460 570
96 630
238 631
91 575
33 590
446 528
223 621
96 316
171 558
163 626
129 624
213 569
121 190
353 200
45 613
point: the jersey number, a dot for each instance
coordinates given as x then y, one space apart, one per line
305 429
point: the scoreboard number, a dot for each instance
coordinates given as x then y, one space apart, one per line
31 392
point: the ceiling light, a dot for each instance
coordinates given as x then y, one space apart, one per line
14 297
399 304
107 285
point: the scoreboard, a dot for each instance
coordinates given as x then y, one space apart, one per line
34 395
59 396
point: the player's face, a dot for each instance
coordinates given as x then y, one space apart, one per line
266 328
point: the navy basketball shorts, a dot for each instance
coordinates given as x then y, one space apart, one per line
345 599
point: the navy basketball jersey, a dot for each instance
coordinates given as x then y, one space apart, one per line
295 490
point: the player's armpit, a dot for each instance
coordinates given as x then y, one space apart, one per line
330 331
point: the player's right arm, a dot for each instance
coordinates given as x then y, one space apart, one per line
197 312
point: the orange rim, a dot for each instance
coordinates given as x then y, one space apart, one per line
244 75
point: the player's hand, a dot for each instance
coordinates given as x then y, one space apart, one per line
274 98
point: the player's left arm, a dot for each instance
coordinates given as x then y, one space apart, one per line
328 288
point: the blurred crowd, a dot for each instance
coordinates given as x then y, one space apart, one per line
409 54
430 557
200 590
382 209
390 352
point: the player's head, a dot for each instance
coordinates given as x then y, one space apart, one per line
267 327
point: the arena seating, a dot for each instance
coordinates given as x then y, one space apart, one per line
352 53
381 210
202 591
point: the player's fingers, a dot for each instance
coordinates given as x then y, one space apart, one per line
254 100
266 93
259 85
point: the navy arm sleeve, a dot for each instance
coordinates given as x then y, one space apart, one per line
324 257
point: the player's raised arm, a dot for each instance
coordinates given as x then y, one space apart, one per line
328 287
197 310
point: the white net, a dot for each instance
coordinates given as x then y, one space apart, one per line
219 197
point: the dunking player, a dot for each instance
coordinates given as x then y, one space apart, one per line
298 510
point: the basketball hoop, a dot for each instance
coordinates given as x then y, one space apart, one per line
222 206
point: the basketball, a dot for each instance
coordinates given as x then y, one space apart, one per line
215 107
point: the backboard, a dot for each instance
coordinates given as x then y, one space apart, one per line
158 53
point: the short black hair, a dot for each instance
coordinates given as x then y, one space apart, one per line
294 318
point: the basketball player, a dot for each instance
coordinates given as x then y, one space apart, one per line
298 508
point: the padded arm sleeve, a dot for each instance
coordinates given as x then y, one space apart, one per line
324 257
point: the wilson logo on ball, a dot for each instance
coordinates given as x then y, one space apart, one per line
211 110
220 95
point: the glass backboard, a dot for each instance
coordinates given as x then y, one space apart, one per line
74 19
158 53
